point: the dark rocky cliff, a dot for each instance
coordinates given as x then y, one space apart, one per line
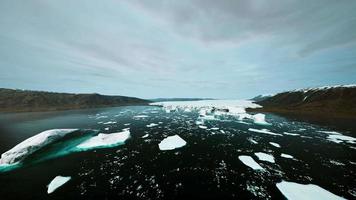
337 101
23 101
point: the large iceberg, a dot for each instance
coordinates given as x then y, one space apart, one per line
32 144
293 190
171 142
57 182
103 140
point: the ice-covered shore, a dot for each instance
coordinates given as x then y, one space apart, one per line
32 144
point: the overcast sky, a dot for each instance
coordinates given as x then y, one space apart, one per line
180 48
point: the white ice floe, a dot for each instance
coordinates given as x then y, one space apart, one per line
260 119
109 122
172 142
342 138
275 144
250 162
151 125
252 141
57 182
298 191
265 157
265 131
140 116
145 136
338 137
203 127
287 156
105 140
32 144
291 134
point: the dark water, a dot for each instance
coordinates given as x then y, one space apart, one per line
207 167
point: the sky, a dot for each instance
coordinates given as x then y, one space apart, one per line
167 48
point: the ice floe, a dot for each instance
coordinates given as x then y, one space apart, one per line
252 141
275 144
57 182
287 156
151 125
250 162
337 137
291 134
103 140
145 136
140 116
32 144
259 119
172 142
203 127
265 157
292 190
342 138
265 131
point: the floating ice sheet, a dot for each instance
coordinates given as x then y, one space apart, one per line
250 162
171 142
103 140
265 157
57 182
287 156
298 191
265 131
275 144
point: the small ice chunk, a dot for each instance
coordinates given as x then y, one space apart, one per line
107 128
252 141
145 136
260 119
250 162
140 116
203 127
109 122
172 142
265 131
291 134
151 125
330 132
105 140
275 144
214 128
287 156
57 182
293 190
265 157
